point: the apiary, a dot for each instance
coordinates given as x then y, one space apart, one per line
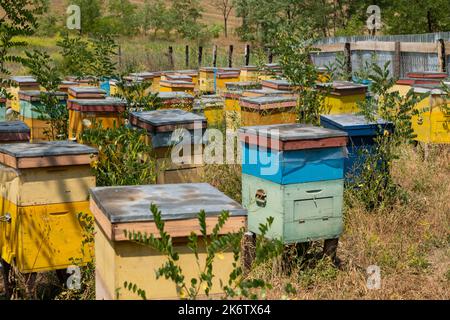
268 110
30 102
362 138
342 96
14 132
120 209
22 83
210 106
65 85
176 86
85 113
171 128
154 77
44 186
432 124
176 100
278 84
86 93
294 173
249 73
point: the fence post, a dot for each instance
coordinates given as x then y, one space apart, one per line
247 54
270 56
348 59
120 57
171 58
187 57
215 56
230 56
397 63
200 56
442 56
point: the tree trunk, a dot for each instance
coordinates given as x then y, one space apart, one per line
225 23
430 24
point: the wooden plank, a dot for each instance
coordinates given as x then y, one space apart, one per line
337 47
419 47
373 46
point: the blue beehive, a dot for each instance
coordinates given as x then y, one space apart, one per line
293 153
362 134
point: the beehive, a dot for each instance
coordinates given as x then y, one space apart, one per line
249 73
294 173
24 83
176 86
179 77
432 125
362 138
342 96
120 209
14 132
176 100
404 85
161 127
278 84
85 113
44 188
214 79
38 123
154 77
268 110
210 106
65 85
86 93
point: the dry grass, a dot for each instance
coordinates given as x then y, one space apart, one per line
410 243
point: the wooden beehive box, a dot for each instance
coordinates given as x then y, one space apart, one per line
210 106
214 79
249 73
268 110
179 77
404 85
120 209
362 134
161 127
14 132
177 86
44 186
234 91
294 173
65 85
86 93
342 96
37 122
154 77
432 124
277 84
176 100
85 113
20 83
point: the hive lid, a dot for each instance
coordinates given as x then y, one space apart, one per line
180 77
268 102
177 83
79 90
250 68
427 75
14 131
35 95
145 75
109 104
277 84
24 80
344 87
166 120
354 125
175 201
45 154
293 136
175 95
433 89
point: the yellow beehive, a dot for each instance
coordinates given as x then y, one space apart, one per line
268 110
14 132
83 92
65 85
44 187
249 73
212 107
154 77
322 75
176 100
85 113
342 96
214 79
38 123
164 133
119 260
432 125
177 86
25 83
277 84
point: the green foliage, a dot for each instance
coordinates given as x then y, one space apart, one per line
213 244
123 14
123 156
338 69
104 50
18 19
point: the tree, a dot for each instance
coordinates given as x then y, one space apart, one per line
124 13
186 14
225 7
90 13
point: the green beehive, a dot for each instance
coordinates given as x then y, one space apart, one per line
302 212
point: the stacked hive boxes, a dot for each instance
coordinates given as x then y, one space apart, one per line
176 100
44 187
342 96
294 173
268 110
432 124
38 122
249 73
24 83
86 113
121 209
65 85
154 77
177 86
14 132
167 128
214 79
86 93
210 106
362 138
403 85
